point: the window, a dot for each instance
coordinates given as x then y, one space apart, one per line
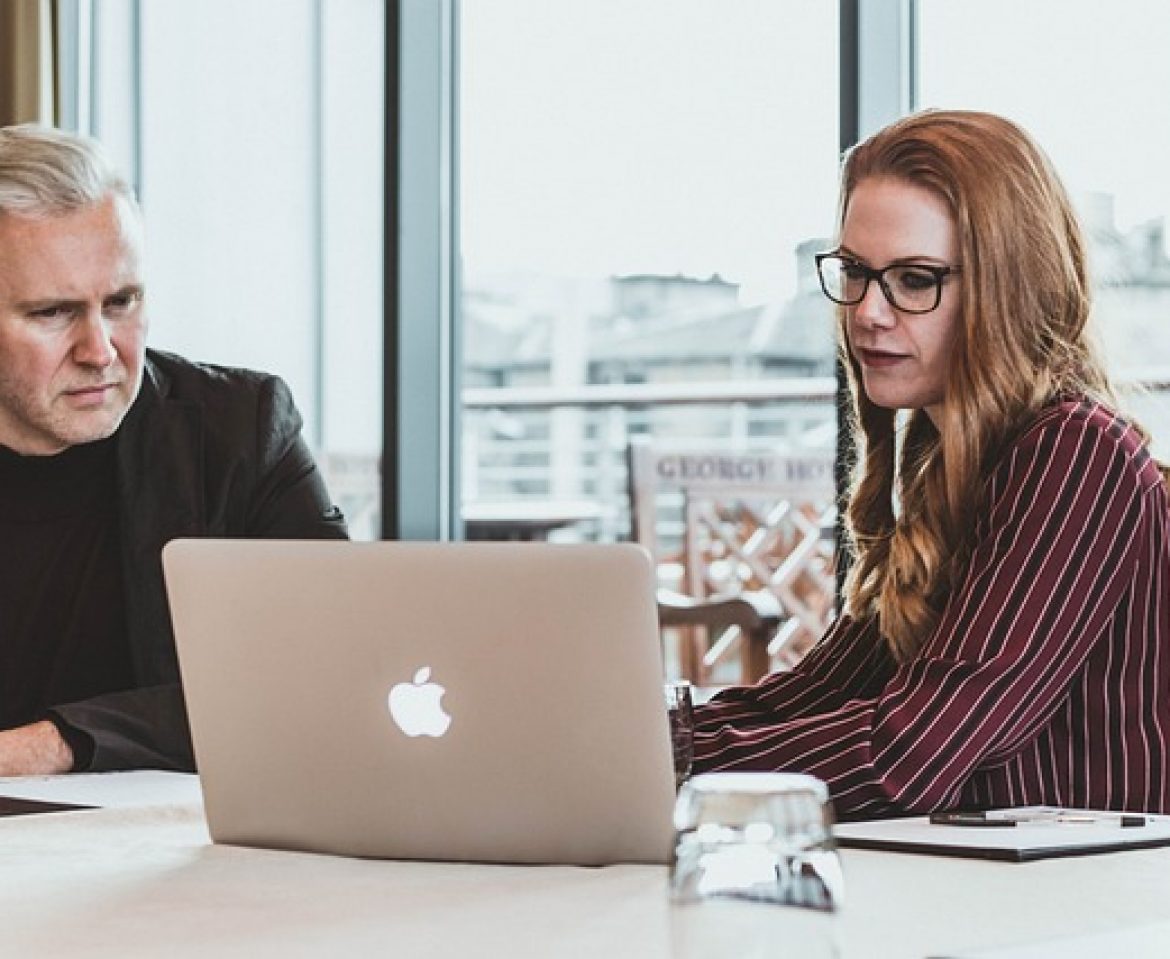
254 129
642 184
1092 83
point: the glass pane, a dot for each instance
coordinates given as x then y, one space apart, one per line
642 185
1091 82
261 181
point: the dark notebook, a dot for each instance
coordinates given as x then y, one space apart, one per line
1022 834
10 806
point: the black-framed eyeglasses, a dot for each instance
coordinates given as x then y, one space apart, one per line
909 287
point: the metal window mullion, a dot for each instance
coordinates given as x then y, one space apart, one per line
136 82
421 428
316 107
885 74
877 85
73 65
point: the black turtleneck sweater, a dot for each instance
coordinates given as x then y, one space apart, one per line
62 615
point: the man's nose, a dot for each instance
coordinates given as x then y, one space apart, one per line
94 346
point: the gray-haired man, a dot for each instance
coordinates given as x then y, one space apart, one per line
107 451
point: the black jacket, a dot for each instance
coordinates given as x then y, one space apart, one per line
203 451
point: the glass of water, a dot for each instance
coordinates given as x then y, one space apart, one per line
680 707
757 840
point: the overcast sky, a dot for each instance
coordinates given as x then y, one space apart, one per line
700 136
1090 80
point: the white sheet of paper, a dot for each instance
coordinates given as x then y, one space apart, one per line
1030 840
121 790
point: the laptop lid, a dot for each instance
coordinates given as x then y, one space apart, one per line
456 701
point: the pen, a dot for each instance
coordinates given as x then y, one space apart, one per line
993 819
968 819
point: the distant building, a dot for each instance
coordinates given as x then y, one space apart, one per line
655 329
1131 277
658 329
646 328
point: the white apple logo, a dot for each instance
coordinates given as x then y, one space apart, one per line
415 706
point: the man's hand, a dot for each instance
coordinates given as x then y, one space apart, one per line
34 750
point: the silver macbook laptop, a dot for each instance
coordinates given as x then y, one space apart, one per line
458 701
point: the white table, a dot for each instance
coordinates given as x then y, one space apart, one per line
146 881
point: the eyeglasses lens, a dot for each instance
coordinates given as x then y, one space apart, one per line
909 288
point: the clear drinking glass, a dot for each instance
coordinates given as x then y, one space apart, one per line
748 841
680 707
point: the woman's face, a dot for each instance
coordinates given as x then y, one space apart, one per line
904 357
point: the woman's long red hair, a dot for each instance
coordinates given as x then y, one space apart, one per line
1022 341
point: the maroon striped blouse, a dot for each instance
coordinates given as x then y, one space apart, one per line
1047 679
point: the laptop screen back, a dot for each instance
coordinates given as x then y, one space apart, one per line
455 701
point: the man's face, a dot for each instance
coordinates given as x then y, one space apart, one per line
72 325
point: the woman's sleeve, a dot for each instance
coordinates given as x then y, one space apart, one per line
1053 559
851 660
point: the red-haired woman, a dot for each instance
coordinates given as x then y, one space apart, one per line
1006 632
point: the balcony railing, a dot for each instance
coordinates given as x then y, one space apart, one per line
541 444
570 445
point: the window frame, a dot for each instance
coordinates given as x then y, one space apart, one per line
423 357
422 348
421 300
